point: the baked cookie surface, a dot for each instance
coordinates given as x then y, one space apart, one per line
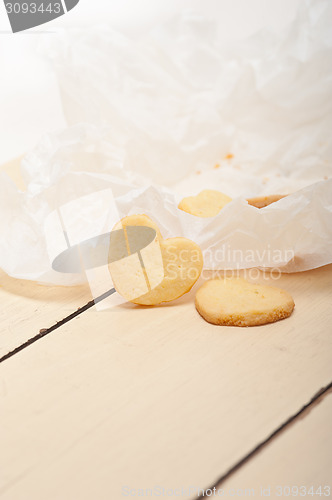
207 203
264 201
236 302
162 271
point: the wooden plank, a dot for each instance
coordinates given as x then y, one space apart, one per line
300 457
138 397
27 307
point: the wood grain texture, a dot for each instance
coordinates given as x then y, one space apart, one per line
300 456
140 397
27 307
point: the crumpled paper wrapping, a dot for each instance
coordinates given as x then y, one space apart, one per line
174 113
180 99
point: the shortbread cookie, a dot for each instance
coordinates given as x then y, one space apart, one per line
207 203
162 271
236 302
264 201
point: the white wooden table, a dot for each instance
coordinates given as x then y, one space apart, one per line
116 403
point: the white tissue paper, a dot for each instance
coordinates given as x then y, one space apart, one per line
153 120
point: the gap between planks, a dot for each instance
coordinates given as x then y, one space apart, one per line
45 331
302 413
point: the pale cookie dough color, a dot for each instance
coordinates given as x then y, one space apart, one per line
162 271
207 203
236 302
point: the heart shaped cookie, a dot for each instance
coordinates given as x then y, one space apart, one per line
207 203
161 271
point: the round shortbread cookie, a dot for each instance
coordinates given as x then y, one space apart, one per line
236 302
207 203
163 271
